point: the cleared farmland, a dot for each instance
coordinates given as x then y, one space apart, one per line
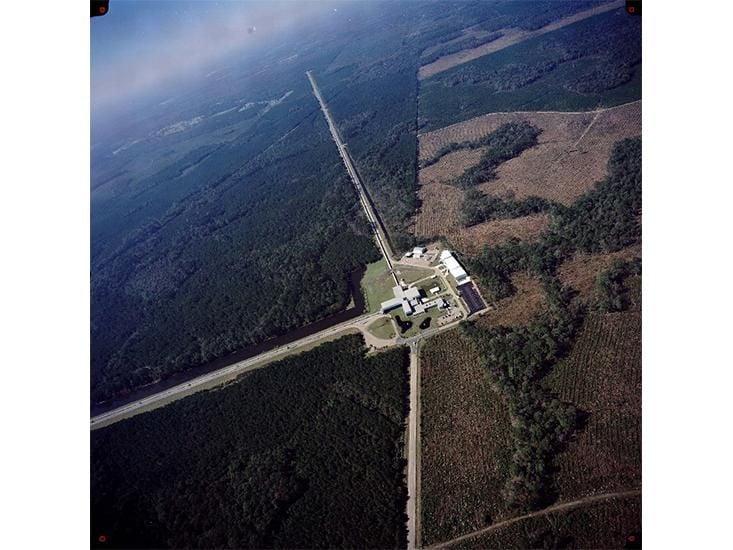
602 377
439 216
520 308
605 524
571 156
465 440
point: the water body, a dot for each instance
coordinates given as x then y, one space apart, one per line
357 297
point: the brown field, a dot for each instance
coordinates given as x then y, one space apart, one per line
571 156
602 377
511 36
517 310
580 272
465 440
439 215
605 524
470 240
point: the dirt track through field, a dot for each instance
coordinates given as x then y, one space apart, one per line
571 156
561 507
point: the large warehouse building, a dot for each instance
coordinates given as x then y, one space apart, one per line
453 267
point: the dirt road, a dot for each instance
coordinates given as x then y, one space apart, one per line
563 506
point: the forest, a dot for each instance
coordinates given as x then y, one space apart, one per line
508 140
477 207
244 225
303 453
371 88
613 288
591 63
531 16
230 266
517 359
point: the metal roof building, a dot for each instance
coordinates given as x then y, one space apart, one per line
389 305
454 268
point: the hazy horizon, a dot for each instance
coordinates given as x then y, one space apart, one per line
140 46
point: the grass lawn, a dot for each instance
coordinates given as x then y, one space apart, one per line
377 284
411 273
431 283
382 328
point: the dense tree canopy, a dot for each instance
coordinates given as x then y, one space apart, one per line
304 453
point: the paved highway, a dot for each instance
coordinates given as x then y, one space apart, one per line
240 367
374 220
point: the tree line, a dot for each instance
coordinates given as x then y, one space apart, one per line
517 359
478 207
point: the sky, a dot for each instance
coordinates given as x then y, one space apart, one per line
139 45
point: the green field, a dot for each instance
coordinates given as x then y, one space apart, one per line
431 283
382 328
377 285
543 73
411 273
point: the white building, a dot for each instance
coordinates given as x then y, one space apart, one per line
408 299
389 305
419 250
453 267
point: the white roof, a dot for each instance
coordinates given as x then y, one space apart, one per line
445 254
454 268
412 292
451 263
419 250
391 304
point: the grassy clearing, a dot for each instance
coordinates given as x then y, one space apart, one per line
411 273
377 285
432 283
382 328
